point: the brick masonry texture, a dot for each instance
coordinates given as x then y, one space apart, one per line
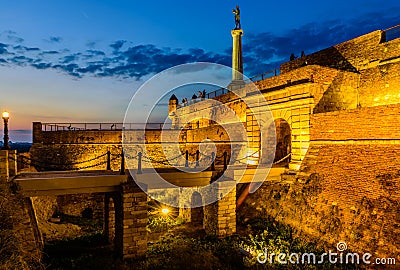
347 193
374 123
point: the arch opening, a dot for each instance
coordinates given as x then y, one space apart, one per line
283 142
197 213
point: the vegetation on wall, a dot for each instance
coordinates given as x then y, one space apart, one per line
12 253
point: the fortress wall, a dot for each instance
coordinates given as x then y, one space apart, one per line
374 123
332 89
349 55
319 74
380 85
350 194
45 155
79 137
339 94
202 111
375 62
77 147
346 190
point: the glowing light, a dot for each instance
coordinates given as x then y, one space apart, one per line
252 156
297 167
165 211
252 153
6 115
251 162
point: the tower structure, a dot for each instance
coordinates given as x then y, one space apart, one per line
172 106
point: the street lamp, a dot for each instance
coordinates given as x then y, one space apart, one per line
6 116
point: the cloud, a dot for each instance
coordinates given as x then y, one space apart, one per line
117 44
95 53
261 51
70 58
23 48
21 60
42 65
55 39
3 48
15 39
91 44
49 52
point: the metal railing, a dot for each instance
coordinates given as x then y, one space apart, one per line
101 126
219 92
265 75
222 91
392 33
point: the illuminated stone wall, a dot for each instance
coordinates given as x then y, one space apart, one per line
80 149
375 61
219 217
347 186
292 96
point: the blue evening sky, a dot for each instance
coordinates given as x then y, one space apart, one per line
81 61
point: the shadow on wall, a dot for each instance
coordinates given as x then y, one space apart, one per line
57 159
283 140
197 213
329 57
340 95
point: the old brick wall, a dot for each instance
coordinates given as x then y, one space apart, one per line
375 123
135 219
347 188
380 84
87 149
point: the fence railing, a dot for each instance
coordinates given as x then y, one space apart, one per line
216 93
100 126
221 91
392 32
265 75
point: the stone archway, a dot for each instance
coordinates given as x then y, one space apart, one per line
197 213
283 141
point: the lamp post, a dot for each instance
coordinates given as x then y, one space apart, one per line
6 116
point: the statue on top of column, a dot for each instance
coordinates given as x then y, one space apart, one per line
237 17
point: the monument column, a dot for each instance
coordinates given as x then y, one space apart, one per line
237 58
